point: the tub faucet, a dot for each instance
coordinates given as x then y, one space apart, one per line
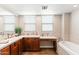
61 39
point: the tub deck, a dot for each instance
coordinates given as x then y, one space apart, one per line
67 48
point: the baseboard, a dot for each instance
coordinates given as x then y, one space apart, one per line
46 46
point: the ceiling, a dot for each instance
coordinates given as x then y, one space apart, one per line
35 9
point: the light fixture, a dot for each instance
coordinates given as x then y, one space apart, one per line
75 5
44 7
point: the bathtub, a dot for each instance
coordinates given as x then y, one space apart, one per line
67 48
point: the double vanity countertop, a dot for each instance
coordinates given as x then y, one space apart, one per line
14 39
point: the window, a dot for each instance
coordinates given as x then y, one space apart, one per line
47 23
9 23
29 23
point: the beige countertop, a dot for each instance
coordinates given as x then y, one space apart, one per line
10 41
33 36
14 39
48 37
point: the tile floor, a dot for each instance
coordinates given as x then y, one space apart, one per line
41 52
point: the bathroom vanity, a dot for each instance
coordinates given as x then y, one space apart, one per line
17 45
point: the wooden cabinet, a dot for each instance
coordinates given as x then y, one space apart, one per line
55 45
26 44
5 51
31 44
36 44
14 48
20 46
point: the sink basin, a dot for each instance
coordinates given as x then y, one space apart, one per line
4 41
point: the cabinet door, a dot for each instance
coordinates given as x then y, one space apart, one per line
36 44
14 49
5 51
29 44
24 44
33 44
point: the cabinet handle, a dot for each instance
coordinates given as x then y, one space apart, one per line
14 43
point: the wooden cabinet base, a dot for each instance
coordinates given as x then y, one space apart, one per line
5 51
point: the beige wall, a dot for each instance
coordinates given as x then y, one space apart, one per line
38 24
1 24
65 26
20 22
57 25
74 27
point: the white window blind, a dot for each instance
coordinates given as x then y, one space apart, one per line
47 27
29 19
9 27
9 23
9 19
47 23
29 27
29 23
47 19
